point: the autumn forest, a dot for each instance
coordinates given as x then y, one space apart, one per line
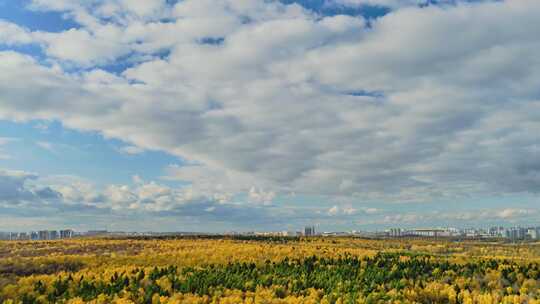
268 270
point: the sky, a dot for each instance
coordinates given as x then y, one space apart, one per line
258 115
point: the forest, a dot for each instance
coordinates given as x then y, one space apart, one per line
268 270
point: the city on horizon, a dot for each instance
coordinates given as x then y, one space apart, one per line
512 233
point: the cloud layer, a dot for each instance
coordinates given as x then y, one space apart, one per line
423 103
30 201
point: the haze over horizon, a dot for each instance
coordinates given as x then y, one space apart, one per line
215 115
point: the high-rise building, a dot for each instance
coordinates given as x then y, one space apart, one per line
497 231
516 233
43 235
309 230
395 232
66 234
53 235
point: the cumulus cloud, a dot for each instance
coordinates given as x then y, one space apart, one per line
393 3
514 213
348 210
457 217
24 195
19 187
16 189
83 47
267 98
336 210
508 214
12 34
220 182
260 196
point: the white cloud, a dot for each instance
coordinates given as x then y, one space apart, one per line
220 182
457 217
385 3
63 198
27 195
371 210
260 196
19 187
348 210
142 9
511 213
45 145
83 47
401 219
333 211
12 34
16 189
131 150
424 103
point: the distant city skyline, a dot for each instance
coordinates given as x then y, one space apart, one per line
306 230
228 115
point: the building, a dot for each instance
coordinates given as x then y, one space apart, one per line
471 232
395 232
516 233
430 232
99 232
66 234
497 231
309 231
533 233
53 235
43 235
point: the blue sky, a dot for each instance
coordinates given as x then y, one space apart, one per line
346 114
18 12
48 148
